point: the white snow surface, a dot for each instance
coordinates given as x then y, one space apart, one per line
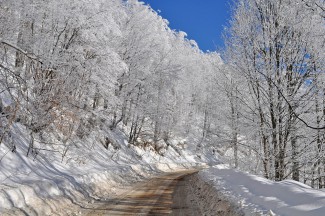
260 196
48 185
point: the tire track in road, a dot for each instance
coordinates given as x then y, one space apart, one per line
163 195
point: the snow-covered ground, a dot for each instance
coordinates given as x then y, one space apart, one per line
44 184
259 196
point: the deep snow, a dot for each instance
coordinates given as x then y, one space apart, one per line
257 195
44 184
48 185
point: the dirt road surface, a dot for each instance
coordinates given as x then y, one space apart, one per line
178 194
163 195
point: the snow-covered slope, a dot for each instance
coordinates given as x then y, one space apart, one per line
44 184
257 195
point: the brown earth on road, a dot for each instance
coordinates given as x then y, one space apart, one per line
169 194
154 197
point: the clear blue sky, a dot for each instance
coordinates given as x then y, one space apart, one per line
202 20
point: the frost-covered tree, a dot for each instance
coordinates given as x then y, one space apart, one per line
51 57
272 44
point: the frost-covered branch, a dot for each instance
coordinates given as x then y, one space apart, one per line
28 55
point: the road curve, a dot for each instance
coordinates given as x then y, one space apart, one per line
162 195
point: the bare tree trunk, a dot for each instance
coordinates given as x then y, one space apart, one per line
157 129
295 158
234 126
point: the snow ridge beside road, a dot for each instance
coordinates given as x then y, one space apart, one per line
259 196
48 184
211 201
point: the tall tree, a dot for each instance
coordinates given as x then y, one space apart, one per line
269 42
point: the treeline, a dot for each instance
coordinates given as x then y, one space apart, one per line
275 50
69 68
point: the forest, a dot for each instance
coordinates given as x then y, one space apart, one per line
68 68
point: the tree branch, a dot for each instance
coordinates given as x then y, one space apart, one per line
28 55
290 106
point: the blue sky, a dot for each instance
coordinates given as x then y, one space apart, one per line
202 20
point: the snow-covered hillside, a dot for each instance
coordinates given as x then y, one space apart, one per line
48 185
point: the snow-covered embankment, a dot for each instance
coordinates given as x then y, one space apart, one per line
259 196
